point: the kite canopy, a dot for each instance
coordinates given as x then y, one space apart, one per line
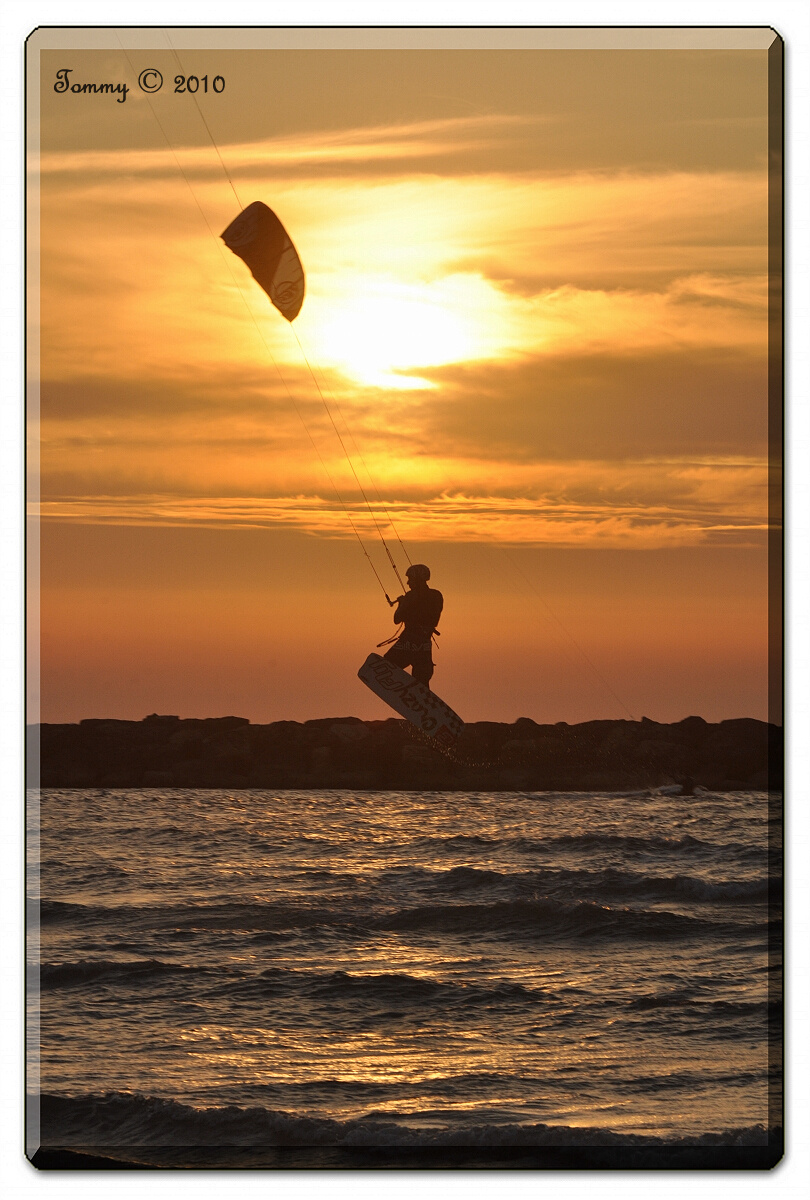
264 245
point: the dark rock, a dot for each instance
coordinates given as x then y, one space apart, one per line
693 724
155 779
348 732
111 723
337 752
423 755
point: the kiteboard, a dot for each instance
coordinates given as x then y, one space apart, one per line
411 700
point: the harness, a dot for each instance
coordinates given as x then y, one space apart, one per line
434 633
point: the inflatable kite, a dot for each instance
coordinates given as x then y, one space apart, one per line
264 245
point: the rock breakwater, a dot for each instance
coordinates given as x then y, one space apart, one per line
345 752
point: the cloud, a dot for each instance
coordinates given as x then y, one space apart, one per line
620 450
394 148
609 522
234 392
660 403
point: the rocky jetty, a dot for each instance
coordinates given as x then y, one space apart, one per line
345 752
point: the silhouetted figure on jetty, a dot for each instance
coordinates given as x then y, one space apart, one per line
419 609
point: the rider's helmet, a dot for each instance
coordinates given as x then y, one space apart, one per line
418 571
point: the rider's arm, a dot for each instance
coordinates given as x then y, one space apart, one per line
401 610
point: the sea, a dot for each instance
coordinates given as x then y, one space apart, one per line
259 978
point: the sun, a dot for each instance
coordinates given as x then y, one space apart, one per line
383 331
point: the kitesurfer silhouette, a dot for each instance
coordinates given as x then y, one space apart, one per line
419 609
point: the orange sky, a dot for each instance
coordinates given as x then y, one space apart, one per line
537 306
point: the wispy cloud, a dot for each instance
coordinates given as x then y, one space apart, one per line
444 138
702 513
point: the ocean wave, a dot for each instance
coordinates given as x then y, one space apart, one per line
378 992
56 911
545 916
116 1119
376 997
607 886
89 972
273 981
550 918
633 844
604 886
686 998
242 916
601 842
